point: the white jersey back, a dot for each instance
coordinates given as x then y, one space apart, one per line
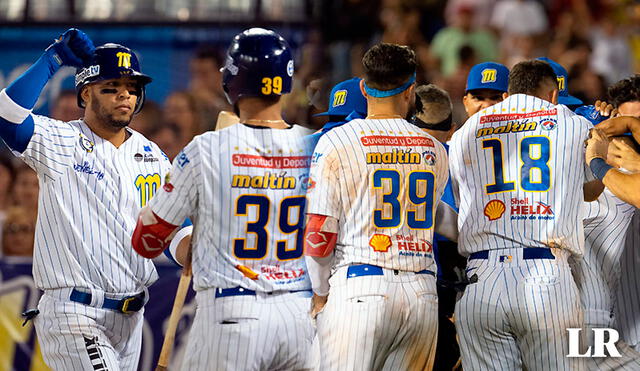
627 308
244 189
90 195
382 180
597 274
518 171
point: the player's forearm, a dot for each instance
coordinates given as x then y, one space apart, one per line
592 190
319 272
26 89
447 221
624 186
18 99
152 234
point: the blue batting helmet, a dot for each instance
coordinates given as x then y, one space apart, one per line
259 63
112 61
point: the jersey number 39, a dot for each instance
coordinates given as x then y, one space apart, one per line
420 192
258 227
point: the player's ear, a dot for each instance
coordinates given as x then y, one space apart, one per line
505 95
362 89
554 96
84 95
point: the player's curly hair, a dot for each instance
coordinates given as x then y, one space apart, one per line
623 91
387 66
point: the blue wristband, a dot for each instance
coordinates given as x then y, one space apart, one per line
599 167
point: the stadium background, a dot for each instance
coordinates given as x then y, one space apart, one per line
598 41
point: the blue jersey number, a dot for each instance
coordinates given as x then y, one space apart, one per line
258 227
533 161
420 191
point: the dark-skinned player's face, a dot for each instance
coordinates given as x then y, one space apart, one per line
476 100
113 101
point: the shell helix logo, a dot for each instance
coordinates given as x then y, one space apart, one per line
124 59
489 75
380 242
494 210
339 98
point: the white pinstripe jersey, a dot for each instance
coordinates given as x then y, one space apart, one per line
244 189
90 195
628 294
597 274
518 171
382 180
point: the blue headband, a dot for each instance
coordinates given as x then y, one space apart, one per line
387 93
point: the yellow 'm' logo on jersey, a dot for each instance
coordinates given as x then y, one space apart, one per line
339 98
489 75
561 82
147 186
124 59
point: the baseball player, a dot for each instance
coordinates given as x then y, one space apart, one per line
516 168
95 174
598 273
244 189
374 187
346 103
434 112
563 84
486 86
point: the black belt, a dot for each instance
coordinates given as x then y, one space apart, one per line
527 253
241 291
127 305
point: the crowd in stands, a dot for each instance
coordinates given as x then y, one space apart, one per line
597 41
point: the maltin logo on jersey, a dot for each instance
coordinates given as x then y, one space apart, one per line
494 210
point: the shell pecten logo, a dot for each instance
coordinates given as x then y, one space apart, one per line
380 242
494 209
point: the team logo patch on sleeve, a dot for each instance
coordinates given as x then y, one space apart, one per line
548 124
86 144
494 210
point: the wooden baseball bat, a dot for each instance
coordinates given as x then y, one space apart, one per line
226 119
178 303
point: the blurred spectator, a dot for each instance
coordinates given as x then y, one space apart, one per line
518 20
205 85
455 84
448 41
482 15
147 119
180 108
18 233
587 85
65 106
611 56
168 137
25 190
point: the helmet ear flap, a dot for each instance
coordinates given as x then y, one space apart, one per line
140 100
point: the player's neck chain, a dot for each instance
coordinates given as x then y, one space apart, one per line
256 121
384 116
